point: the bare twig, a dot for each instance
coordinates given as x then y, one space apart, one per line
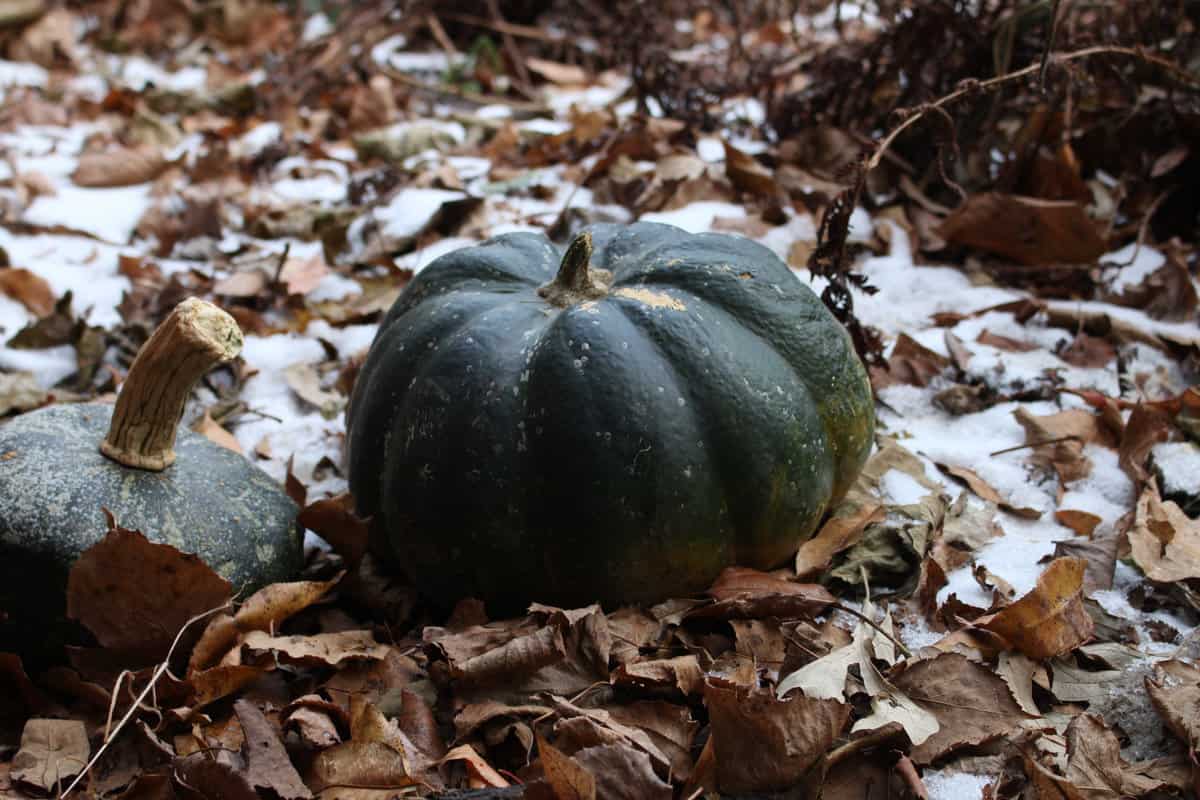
1027 445
969 87
1054 17
899 644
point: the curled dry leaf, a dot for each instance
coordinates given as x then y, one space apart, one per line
986 491
27 288
52 752
158 590
127 166
743 593
680 673
331 649
210 429
348 771
1051 619
762 743
841 531
1164 542
481 772
1146 427
271 605
1174 689
334 519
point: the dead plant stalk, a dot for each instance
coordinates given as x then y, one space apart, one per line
968 87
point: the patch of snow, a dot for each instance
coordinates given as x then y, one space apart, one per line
746 109
436 61
257 139
318 189
901 489
419 259
107 214
955 785
710 149
1107 492
410 210
136 73
1186 333
1130 266
19 73
697 217
382 51
334 287
90 86
316 26
49 366
470 168
494 111
1179 465
780 238
546 127
560 99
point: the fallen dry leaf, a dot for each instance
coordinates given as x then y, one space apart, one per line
568 779
27 288
271 605
1082 522
325 648
127 166
1051 619
159 590
986 491
482 773
971 703
1164 542
1025 229
267 763
1058 440
348 771
841 531
743 593
762 743
52 752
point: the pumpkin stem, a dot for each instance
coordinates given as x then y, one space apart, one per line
576 280
192 340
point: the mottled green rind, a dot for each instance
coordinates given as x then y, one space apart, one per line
622 450
54 482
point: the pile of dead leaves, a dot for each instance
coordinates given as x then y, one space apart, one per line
766 684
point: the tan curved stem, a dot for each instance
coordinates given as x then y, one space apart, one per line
192 340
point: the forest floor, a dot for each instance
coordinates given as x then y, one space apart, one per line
1006 605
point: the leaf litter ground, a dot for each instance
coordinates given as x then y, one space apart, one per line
1003 606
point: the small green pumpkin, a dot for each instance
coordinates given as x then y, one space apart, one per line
615 424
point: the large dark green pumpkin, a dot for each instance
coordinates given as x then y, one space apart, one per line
621 441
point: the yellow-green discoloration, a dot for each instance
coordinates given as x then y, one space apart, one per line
651 298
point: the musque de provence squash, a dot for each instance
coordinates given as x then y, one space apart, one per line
615 423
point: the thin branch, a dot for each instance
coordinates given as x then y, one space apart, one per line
975 86
899 644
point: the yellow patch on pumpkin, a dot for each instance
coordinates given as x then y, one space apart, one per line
651 298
